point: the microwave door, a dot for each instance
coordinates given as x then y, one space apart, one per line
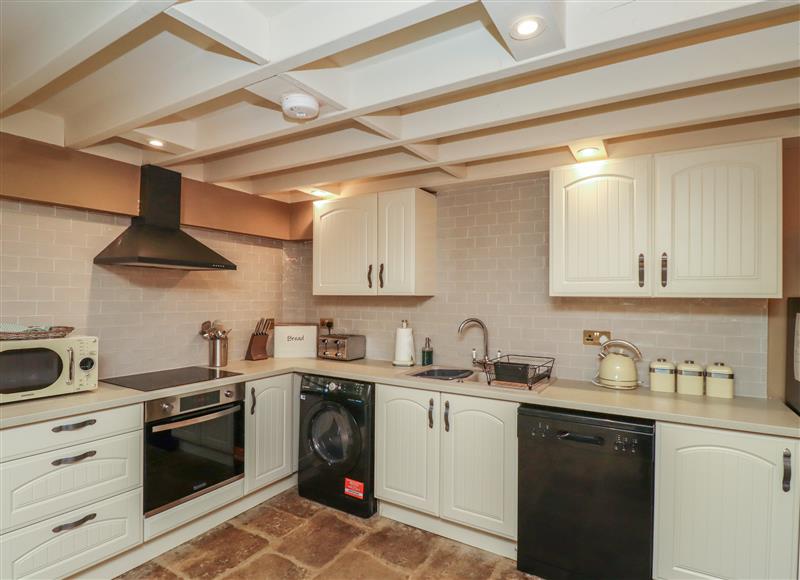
27 367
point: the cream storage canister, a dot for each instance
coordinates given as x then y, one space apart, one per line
690 378
719 381
662 376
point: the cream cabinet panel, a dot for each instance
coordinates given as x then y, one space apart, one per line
600 228
718 221
406 242
268 431
479 463
48 484
407 447
722 507
345 246
64 545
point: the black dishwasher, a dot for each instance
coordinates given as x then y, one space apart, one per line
585 495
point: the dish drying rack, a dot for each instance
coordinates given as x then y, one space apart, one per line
518 370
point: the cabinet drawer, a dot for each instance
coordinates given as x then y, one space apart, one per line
47 484
29 439
66 544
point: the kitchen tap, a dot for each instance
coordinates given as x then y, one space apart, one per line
480 323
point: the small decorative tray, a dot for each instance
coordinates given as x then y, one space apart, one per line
518 370
34 332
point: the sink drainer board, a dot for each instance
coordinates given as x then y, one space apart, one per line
519 370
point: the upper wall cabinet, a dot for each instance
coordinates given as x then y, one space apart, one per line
698 223
383 243
599 228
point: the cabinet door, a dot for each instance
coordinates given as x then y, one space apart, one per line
268 431
407 447
600 228
718 221
479 463
345 246
721 507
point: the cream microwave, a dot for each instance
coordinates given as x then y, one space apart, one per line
44 367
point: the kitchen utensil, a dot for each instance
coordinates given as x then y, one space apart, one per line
404 346
662 376
218 352
618 369
719 381
690 378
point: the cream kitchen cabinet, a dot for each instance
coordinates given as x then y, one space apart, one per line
697 223
268 432
383 243
451 456
600 228
727 504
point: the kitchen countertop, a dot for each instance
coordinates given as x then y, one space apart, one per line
765 416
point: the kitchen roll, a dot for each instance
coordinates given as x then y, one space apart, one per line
404 348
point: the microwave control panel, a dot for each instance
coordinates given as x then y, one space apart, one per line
84 364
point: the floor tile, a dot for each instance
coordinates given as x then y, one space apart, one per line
507 570
292 503
400 545
453 561
214 553
268 566
355 565
320 540
268 520
149 571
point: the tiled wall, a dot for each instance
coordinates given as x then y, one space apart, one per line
147 319
493 265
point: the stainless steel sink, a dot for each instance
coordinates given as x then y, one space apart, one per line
443 374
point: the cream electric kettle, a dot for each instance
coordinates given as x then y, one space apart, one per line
618 369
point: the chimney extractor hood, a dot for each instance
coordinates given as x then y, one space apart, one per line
154 238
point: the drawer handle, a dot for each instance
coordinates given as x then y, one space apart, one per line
369 276
75 524
641 270
74 426
253 404
447 415
430 414
787 470
76 459
380 275
664 269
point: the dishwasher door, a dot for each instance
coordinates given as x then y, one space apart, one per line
585 495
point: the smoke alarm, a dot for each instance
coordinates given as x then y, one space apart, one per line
299 106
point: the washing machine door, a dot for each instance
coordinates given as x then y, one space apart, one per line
333 436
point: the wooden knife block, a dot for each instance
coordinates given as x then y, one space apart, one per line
259 346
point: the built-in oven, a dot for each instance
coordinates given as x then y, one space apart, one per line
194 444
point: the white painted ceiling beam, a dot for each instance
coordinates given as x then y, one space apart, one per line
757 52
143 137
457 171
237 25
67 34
389 124
732 103
427 151
302 34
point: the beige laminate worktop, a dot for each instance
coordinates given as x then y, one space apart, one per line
743 414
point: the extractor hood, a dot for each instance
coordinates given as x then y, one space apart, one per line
154 238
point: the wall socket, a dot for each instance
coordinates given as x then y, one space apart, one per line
326 323
592 337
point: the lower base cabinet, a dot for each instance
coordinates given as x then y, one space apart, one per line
451 456
63 545
268 433
727 504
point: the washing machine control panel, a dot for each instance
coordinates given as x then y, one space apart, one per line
329 385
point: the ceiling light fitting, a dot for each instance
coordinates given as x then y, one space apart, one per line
527 27
322 193
299 106
156 142
588 152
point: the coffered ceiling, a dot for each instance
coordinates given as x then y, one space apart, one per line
411 93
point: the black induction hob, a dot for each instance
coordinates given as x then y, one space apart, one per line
169 378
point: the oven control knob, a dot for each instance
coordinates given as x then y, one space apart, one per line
333 386
166 407
86 364
228 393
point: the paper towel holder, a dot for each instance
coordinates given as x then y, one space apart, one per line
404 346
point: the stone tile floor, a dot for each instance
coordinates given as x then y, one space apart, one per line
291 538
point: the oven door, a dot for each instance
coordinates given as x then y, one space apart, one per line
29 367
191 454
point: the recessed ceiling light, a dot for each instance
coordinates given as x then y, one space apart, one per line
588 152
322 193
156 142
527 27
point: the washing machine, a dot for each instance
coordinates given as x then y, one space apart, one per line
336 451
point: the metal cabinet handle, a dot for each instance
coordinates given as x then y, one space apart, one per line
787 470
71 352
430 414
664 269
380 275
196 420
447 415
75 524
253 404
641 270
74 426
369 275
578 438
75 459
